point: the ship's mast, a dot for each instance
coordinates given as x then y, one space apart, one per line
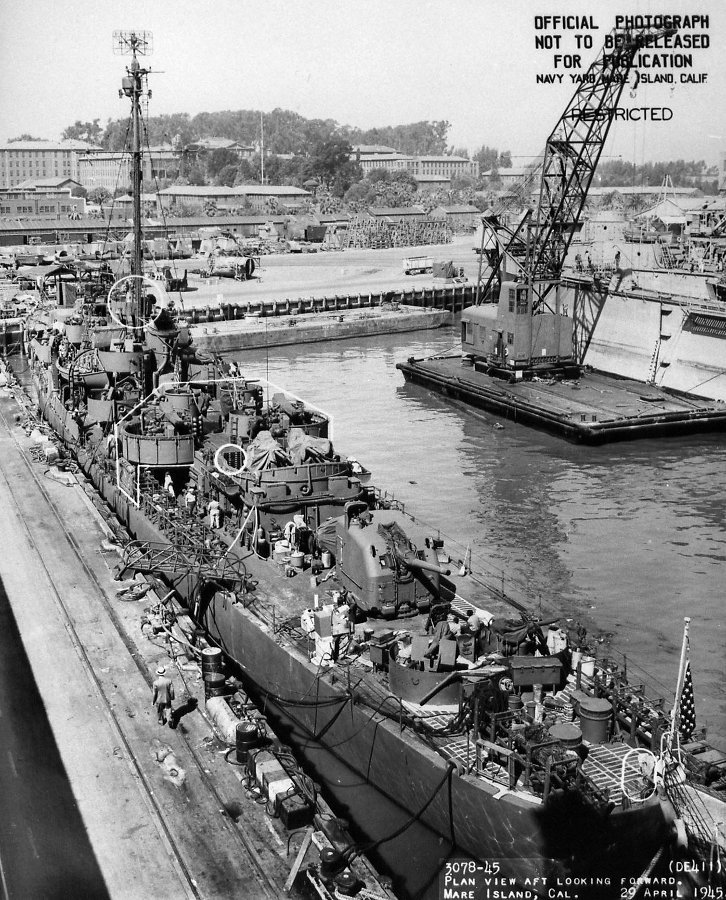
134 86
262 149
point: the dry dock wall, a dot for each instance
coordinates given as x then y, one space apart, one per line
693 361
652 340
624 337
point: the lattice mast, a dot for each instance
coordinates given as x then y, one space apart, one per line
571 156
134 86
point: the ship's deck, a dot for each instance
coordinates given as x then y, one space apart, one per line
614 767
593 409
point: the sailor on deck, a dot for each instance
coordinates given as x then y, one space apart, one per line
340 625
169 486
214 510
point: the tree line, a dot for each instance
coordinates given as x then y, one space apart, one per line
682 173
284 132
304 152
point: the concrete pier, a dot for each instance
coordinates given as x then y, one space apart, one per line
159 812
150 837
252 332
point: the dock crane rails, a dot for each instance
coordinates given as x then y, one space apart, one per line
529 330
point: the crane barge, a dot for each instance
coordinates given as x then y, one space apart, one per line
524 342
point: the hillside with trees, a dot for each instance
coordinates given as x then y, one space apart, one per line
682 173
316 153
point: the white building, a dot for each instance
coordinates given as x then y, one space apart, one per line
21 160
443 168
112 169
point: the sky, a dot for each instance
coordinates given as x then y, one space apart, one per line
360 62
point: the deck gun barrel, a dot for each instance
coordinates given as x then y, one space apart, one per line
413 562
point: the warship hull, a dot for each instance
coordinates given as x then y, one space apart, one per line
481 819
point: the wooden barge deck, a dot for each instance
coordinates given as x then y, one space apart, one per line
593 409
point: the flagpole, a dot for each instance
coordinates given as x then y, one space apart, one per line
681 676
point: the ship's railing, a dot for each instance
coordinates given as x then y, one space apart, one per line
387 501
177 522
704 306
538 776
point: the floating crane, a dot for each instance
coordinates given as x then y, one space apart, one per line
529 329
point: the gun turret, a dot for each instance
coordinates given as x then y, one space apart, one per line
380 566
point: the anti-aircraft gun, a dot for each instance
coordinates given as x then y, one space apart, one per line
377 563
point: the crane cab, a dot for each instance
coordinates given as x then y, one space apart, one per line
511 336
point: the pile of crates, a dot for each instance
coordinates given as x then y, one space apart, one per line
365 232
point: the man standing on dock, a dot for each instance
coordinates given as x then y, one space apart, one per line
163 694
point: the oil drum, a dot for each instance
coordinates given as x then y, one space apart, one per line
214 685
595 716
245 740
570 736
211 661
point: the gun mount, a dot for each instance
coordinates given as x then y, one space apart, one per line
378 564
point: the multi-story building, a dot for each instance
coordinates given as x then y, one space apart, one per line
112 169
442 168
376 156
20 160
209 145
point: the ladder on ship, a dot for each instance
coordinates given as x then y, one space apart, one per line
667 259
653 366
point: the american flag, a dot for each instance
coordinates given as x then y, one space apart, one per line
687 706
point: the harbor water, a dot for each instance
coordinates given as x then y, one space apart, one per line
626 539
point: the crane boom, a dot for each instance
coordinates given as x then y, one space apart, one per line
571 155
530 330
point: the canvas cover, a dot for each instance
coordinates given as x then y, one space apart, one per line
395 538
326 534
304 448
444 269
264 452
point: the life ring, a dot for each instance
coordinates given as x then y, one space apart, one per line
506 351
306 490
506 684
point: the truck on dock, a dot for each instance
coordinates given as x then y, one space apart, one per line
418 265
